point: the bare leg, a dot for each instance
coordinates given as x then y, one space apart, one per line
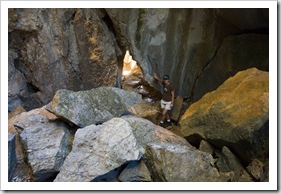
164 114
167 116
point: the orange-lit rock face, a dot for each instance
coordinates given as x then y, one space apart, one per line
236 115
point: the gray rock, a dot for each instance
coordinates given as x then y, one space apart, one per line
232 54
135 171
146 132
77 49
60 48
179 163
128 98
206 147
94 106
185 42
98 149
12 159
16 82
46 143
240 174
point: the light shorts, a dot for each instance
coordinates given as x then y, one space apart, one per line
166 105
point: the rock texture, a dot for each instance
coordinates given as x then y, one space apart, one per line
51 49
146 132
135 171
235 115
81 49
236 53
12 159
257 169
180 163
98 150
234 164
185 42
94 106
146 110
47 143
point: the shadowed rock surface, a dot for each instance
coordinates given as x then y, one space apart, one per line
135 171
12 159
52 49
80 49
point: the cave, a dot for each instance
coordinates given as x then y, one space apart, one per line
200 49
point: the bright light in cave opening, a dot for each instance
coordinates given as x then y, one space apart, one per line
129 65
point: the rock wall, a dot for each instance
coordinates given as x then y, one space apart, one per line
51 49
184 42
80 49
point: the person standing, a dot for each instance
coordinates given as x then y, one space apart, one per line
167 100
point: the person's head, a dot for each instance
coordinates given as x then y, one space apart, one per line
166 79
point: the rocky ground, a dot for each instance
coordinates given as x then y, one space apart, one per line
82 136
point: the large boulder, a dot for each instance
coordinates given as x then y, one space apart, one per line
94 106
235 115
46 142
146 132
181 163
99 149
166 151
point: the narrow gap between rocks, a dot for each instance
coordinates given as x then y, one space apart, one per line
132 80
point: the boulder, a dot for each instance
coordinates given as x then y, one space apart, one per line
160 142
22 172
47 143
146 110
135 171
234 164
146 132
99 149
235 115
206 147
169 162
12 159
94 106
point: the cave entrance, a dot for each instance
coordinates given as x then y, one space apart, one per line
133 80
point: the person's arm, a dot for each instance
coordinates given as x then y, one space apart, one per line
157 78
173 95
